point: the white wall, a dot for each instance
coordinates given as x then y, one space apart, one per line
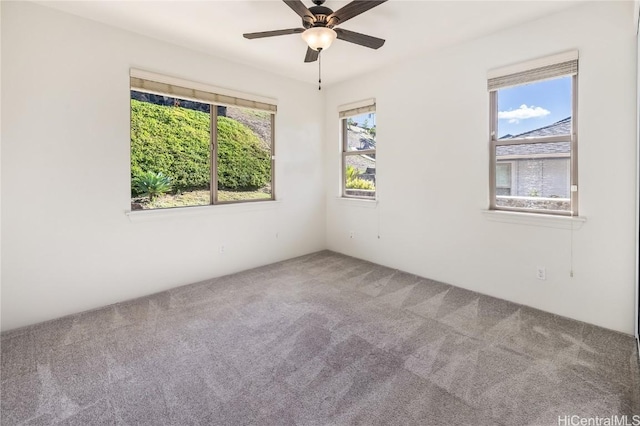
432 171
636 15
67 244
0 173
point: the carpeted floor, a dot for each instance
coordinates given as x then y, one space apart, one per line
322 339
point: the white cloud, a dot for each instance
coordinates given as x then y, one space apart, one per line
523 113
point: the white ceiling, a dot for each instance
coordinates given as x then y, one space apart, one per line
216 27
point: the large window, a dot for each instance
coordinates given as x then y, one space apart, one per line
194 147
359 152
533 136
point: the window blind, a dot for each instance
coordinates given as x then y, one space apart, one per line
536 70
357 108
198 95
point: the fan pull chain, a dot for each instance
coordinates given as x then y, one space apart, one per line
319 69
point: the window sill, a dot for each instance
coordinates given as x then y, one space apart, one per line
357 202
535 219
211 210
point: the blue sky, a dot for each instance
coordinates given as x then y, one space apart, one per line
531 106
370 117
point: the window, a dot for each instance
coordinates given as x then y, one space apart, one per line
503 178
359 151
192 147
533 136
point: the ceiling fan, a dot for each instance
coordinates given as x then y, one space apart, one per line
319 22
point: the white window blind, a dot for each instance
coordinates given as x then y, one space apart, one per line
357 108
194 92
539 69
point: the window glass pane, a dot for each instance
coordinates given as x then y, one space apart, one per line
361 132
539 176
360 169
538 109
360 176
244 154
170 152
503 178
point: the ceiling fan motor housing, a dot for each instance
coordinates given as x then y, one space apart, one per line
320 19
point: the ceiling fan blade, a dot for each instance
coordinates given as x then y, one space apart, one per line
312 55
352 9
299 8
361 39
273 33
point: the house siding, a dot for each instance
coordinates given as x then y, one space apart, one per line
547 177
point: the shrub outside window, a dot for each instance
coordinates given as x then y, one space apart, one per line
533 141
200 149
359 152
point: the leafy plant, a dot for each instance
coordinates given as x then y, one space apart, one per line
534 193
359 183
172 140
354 181
151 185
351 173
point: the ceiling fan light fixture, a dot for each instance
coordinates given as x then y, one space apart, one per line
319 37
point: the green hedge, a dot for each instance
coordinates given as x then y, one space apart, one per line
175 142
242 162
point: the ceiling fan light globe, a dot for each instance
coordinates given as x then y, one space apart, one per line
319 37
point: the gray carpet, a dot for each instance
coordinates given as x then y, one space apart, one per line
323 339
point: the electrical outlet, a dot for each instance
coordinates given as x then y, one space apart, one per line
541 273
352 235
222 249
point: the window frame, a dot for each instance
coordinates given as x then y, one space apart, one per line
572 138
214 156
201 93
344 117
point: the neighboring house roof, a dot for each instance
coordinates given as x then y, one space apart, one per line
358 139
562 127
361 162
